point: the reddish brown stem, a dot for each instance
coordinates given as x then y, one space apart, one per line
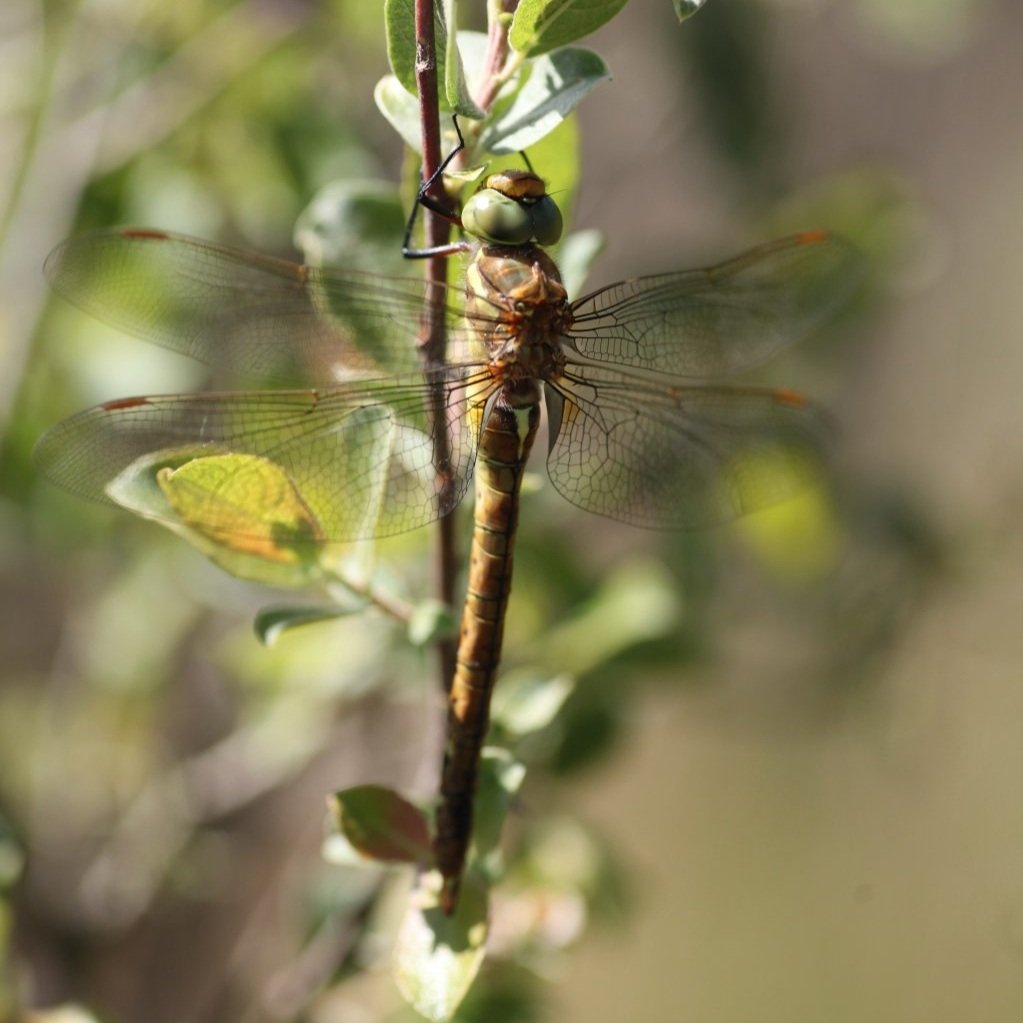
433 341
497 51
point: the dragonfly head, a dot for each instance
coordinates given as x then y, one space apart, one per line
513 208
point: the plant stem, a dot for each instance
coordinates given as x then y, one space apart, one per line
433 341
394 607
499 16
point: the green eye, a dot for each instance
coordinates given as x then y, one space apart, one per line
547 222
498 219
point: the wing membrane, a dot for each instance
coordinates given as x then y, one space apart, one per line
359 450
677 457
252 316
719 320
361 457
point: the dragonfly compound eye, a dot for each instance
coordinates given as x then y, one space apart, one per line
547 222
497 218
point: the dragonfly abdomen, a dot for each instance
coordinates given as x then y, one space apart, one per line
504 449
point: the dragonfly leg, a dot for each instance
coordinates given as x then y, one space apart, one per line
427 201
424 189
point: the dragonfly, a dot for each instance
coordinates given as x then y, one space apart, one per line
328 386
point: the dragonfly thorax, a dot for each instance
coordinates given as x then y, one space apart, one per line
518 308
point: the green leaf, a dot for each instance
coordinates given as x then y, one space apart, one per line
558 155
272 622
576 255
555 85
455 88
431 620
687 8
527 703
354 224
382 825
400 110
500 778
542 25
636 603
242 511
436 957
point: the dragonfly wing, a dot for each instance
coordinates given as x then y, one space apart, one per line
677 457
361 458
253 317
719 320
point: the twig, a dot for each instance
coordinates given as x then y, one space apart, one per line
433 342
392 606
499 14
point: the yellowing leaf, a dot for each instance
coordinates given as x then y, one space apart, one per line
244 503
140 489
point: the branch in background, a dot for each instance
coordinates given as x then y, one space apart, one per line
64 153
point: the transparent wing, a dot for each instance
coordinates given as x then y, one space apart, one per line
677 457
253 317
361 457
716 321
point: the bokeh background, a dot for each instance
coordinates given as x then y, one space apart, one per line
787 783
